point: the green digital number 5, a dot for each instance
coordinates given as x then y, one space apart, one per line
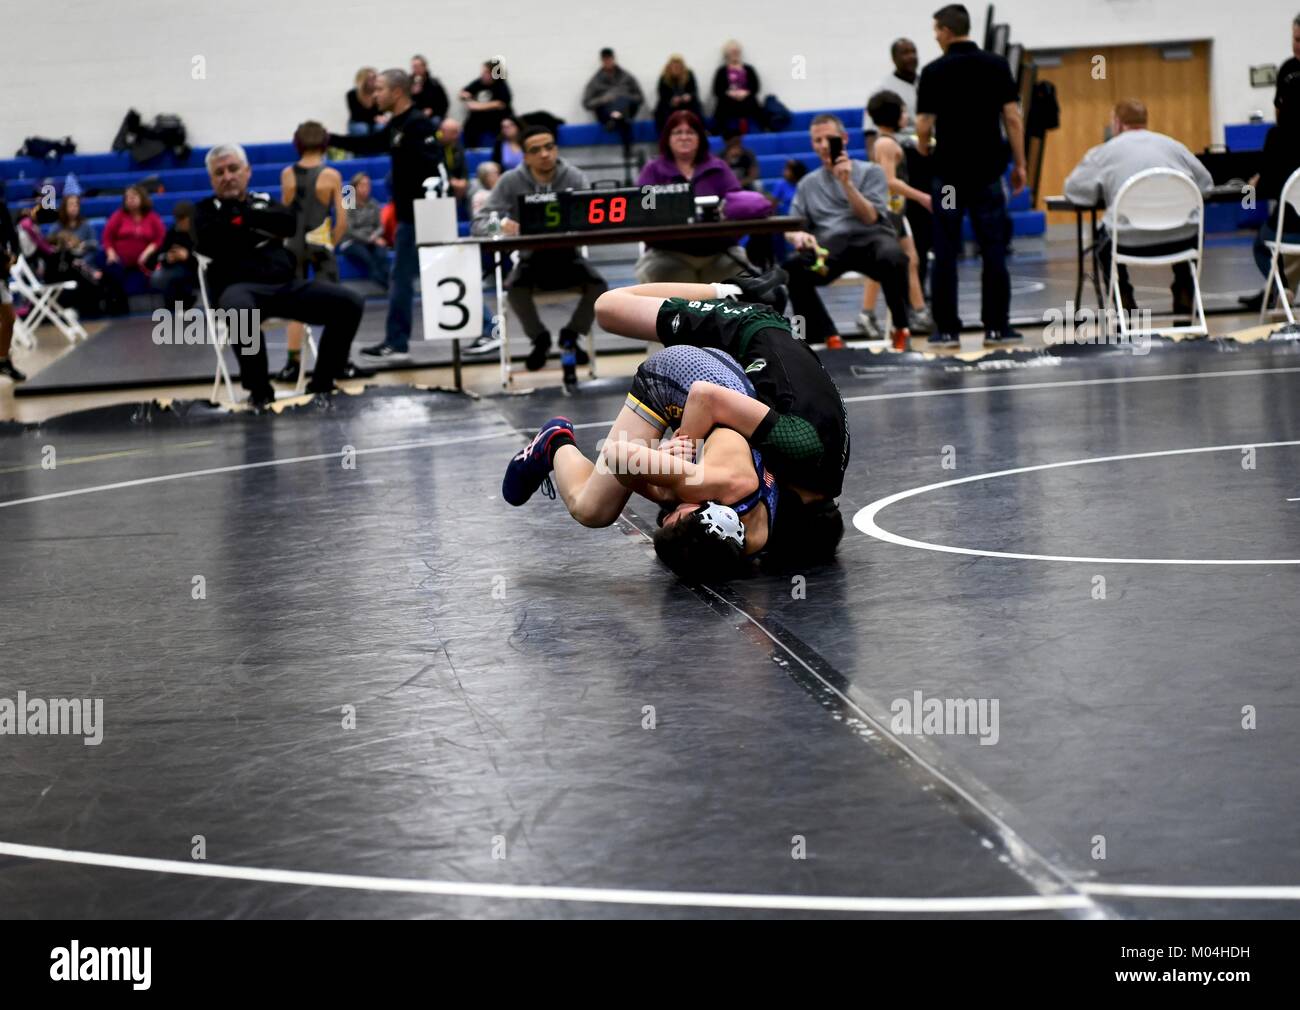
553 214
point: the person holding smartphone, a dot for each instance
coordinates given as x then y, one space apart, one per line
846 204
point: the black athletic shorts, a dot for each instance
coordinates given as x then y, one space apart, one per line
805 438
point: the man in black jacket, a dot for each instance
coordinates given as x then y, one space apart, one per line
253 274
411 141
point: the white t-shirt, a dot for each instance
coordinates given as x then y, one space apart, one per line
900 87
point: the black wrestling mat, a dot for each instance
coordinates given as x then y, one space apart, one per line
328 672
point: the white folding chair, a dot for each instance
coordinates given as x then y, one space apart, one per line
1157 200
216 327
23 336
1288 199
44 299
216 333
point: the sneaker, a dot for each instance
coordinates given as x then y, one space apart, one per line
289 373
870 326
537 356
487 343
385 352
942 338
919 321
767 288
575 340
8 368
901 339
531 466
1252 302
1003 335
351 371
322 390
260 400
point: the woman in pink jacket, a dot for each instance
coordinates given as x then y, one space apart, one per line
131 236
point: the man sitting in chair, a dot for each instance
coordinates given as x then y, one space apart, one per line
252 271
1104 170
543 171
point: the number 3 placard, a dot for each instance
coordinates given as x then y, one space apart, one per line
451 292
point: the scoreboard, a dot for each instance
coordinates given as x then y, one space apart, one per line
601 209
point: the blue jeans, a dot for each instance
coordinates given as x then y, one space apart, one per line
987 206
401 292
369 258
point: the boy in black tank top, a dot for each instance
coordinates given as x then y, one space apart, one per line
889 114
311 189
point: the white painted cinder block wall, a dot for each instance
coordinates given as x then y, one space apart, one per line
75 66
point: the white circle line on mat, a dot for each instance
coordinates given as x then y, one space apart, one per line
865 518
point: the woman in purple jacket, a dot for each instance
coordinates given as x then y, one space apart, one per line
685 157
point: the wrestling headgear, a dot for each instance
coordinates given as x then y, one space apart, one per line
705 545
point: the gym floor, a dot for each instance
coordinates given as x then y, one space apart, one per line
358 684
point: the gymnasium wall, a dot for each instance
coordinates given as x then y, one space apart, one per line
75 66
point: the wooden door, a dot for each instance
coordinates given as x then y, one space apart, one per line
1175 91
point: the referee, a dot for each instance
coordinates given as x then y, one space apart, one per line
968 97
409 138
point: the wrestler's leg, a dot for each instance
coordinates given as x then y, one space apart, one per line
594 495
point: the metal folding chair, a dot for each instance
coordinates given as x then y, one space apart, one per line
44 299
1159 200
1278 247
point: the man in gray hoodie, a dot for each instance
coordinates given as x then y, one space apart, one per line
614 96
543 171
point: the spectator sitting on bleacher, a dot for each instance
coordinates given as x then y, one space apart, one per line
75 234
887 111
735 87
177 276
453 157
507 152
363 113
902 80
486 178
487 98
39 251
410 141
741 160
133 233
543 171
364 244
1104 170
678 92
782 191
77 247
1280 159
8 256
846 204
684 156
427 92
614 96
253 274
312 190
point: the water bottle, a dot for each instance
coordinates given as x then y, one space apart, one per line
494 224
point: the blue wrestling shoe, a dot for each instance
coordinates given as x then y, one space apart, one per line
531 466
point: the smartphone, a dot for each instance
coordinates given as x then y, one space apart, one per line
837 148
